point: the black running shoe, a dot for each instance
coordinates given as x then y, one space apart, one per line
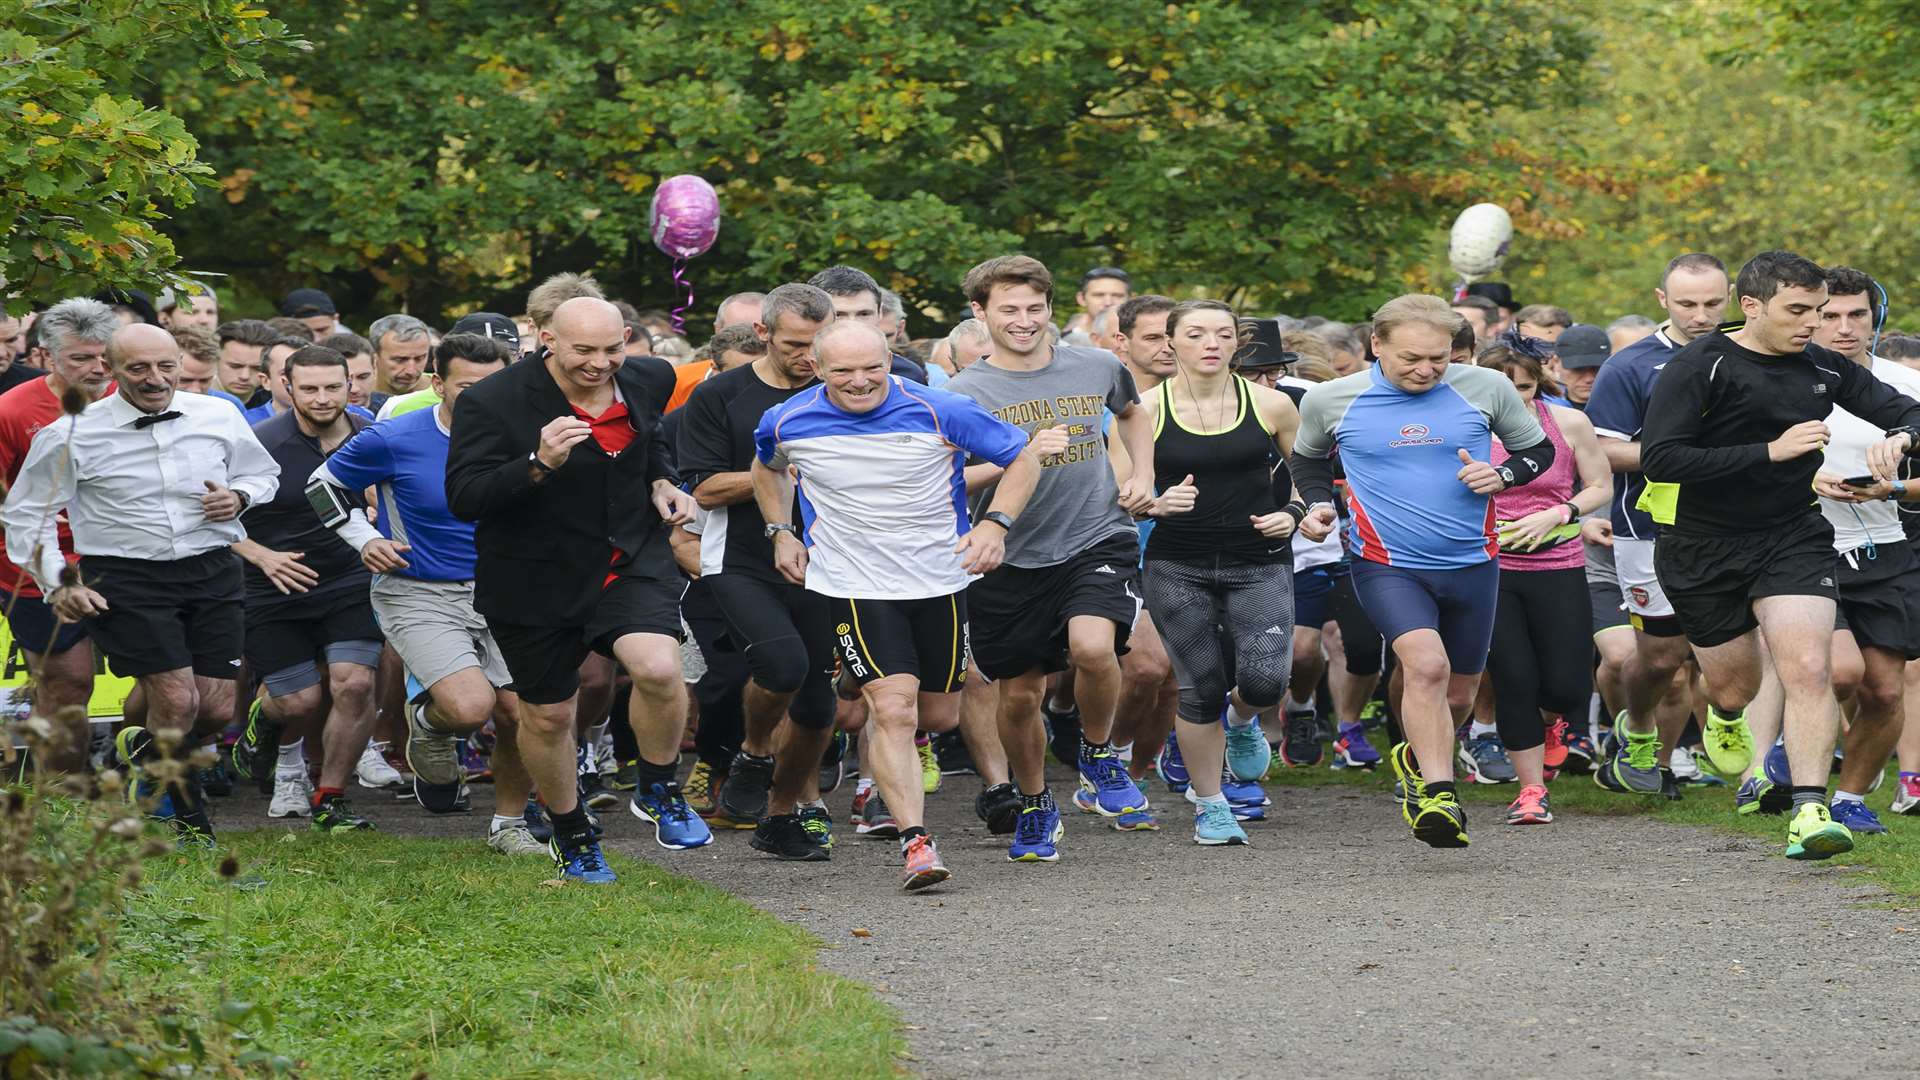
596 794
1063 734
999 806
257 749
215 780
333 814
743 796
784 837
833 763
950 750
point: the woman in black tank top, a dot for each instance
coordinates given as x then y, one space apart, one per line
1220 557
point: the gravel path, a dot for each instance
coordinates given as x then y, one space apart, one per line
1335 945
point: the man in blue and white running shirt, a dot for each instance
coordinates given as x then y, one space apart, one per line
885 536
1414 433
422 558
1694 292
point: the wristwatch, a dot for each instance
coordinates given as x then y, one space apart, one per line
998 518
533 458
781 527
1899 490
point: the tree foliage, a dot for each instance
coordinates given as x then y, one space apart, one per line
87 170
444 155
1686 152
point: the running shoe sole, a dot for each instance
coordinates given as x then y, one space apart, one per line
927 878
1823 844
1435 827
813 852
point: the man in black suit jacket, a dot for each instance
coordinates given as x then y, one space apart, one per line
561 464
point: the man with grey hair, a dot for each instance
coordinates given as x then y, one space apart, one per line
1628 329
893 319
740 309
400 347
1103 329
1349 352
785 632
74 335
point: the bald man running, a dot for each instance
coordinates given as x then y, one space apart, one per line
562 466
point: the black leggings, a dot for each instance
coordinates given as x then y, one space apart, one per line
722 716
1542 652
1253 602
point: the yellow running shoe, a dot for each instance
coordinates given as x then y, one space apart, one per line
1441 821
1813 834
1408 785
1728 741
929 765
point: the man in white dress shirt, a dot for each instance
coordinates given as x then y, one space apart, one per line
153 483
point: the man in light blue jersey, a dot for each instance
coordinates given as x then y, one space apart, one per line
423 557
1414 434
885 536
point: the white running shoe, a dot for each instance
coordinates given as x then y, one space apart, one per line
1685 769
292 795
516 840
1906 800
374 772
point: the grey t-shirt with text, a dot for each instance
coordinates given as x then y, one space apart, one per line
1076 504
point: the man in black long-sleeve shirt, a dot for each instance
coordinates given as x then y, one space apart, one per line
1738 420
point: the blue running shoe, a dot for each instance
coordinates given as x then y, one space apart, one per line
675 826
538 826
1214 825
1856 816
1104 776
1244 792
1775 766
1131 821
1352 748
583 863
1248 754
1036 837
1173 770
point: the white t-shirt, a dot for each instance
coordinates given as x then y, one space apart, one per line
1855 524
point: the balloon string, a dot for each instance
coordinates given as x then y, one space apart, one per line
680 310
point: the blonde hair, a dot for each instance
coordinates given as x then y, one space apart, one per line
1416 309
546 297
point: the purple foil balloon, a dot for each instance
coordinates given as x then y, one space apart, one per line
685 216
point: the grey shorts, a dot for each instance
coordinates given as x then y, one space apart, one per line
433 626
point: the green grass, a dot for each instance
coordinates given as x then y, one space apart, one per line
380 956
1891 860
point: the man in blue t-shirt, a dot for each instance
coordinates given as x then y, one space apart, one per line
1694 292
422 558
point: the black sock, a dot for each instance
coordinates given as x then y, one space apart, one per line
572 827
1088 747
1667 777
1043 799
909 833
1806 793
651 774
1441 787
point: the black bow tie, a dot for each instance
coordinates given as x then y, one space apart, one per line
143 422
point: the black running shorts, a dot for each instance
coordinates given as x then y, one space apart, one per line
1020 614
1880 597
545 660
1712 581
925 638
167 615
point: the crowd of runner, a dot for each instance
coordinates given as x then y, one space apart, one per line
1174 547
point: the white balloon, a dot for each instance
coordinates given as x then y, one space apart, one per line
1478 245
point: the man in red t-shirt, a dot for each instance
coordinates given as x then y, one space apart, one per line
74 334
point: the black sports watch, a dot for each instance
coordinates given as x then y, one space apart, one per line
1505 474
998 518
781 527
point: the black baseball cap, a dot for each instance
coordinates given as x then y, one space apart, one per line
1582 345
1496 291
489 324
1262 349
301 303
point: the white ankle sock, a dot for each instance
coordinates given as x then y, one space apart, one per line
1848 796
1236 718
1478 729
505 823
293 755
